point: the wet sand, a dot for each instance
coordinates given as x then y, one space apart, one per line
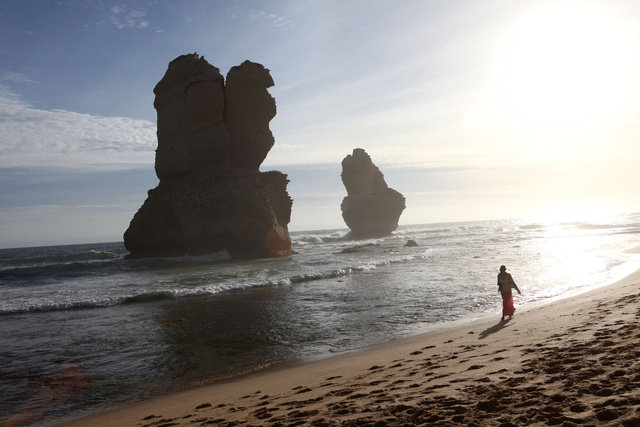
574 361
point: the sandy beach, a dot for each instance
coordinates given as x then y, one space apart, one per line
573 361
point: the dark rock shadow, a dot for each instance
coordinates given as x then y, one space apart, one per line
495 328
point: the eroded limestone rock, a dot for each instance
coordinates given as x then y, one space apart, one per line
249 109
211 195
371 208
192 134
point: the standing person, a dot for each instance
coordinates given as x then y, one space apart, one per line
505 284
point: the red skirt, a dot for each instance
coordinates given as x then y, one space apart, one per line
507 304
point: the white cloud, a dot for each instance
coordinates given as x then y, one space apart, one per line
274 19
13 77
65 140
121 17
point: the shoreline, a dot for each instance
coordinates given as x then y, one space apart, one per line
571 360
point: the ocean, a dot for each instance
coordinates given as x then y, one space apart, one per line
82 330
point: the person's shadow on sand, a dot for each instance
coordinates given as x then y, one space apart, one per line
495 328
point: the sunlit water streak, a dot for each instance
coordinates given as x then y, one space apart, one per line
142 328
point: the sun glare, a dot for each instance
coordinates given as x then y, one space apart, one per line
566 64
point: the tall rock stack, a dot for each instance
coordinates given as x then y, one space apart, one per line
371 209
211 142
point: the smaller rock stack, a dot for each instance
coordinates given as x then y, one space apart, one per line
371 209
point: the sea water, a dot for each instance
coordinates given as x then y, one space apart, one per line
137 329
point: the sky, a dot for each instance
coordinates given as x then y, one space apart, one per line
472 110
